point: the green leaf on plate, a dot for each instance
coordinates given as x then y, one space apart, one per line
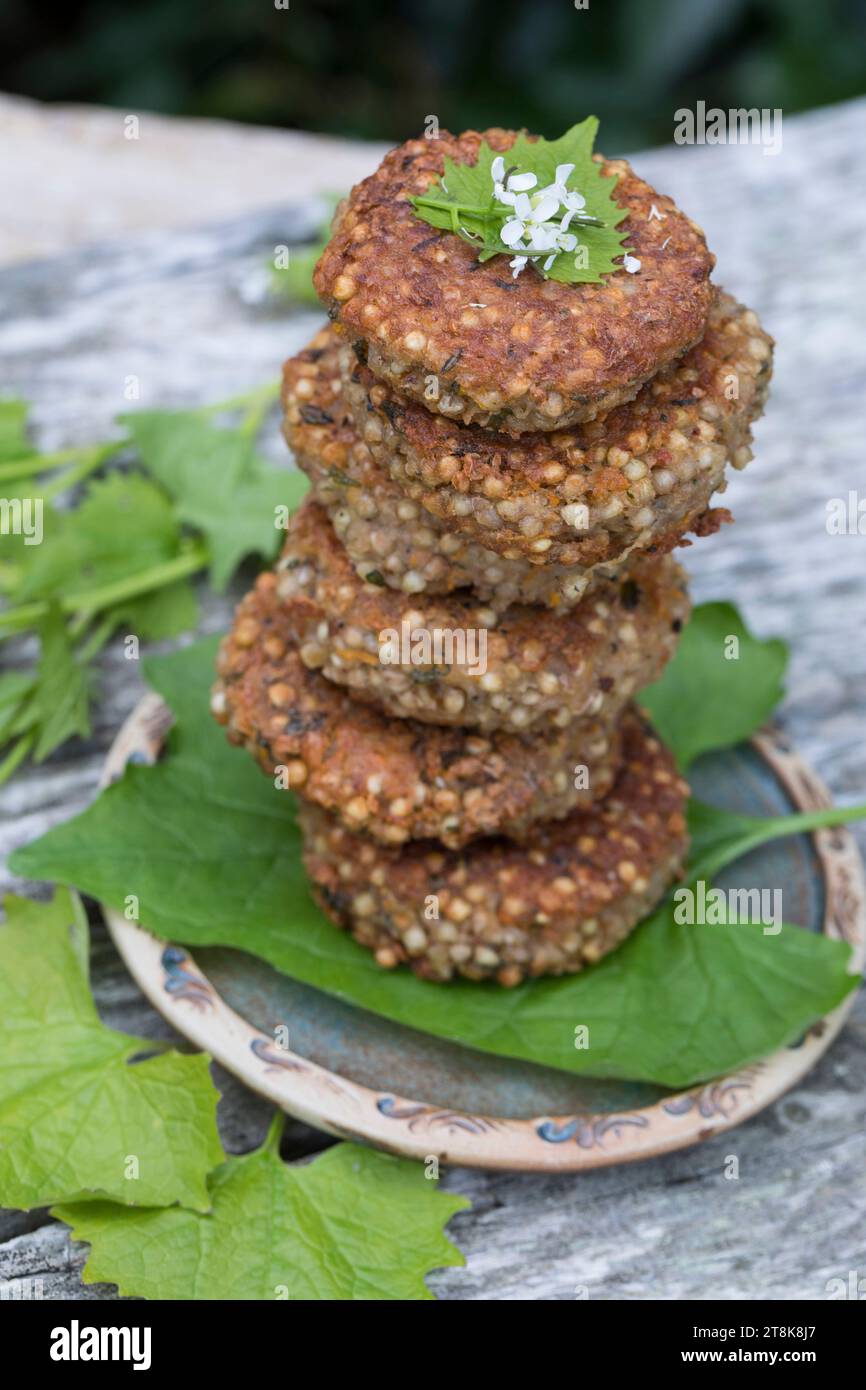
674 1005
352 1224
76 1118
721 686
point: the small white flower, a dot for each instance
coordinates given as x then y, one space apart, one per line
569 199
531 227
631 264
531 221
544 206
522 206
509 190
542 236
512 231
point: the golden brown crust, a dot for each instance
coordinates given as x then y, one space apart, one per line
537 354
506 912
524 669
392 779
586 496
578 498
386 533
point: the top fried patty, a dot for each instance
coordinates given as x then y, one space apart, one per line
518 353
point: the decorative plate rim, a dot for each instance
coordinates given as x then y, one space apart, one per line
181 992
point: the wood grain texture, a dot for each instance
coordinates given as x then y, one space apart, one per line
183 311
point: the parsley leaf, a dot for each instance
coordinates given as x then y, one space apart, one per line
463 202
123 524
352 1224
75 1117
218 482
659 1008
14 443
45 709
161 614
295 280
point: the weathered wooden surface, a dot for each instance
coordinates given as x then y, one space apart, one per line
179 310
72 174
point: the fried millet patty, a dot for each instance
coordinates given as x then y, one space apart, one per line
642 475
389 538
393 779
454 661
470 341
496 910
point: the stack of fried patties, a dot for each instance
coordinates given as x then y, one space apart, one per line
508 460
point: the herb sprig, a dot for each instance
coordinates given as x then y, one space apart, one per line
545 203
193 495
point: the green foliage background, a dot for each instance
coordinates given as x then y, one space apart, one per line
376 68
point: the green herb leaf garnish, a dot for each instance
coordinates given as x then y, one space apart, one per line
124 556
544 203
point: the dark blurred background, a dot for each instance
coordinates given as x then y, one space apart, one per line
376 69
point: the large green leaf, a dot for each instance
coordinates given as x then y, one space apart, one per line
76 1117
675 1004
353 1224
721 686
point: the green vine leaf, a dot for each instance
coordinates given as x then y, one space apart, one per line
353 1224
76 1116
674 1004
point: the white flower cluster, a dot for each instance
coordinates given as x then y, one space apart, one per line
532 227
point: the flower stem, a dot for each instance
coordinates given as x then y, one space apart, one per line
81 470
473 209
44 463
268 394
760 832
258 409
98 638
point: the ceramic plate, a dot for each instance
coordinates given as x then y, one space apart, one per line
359 1076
